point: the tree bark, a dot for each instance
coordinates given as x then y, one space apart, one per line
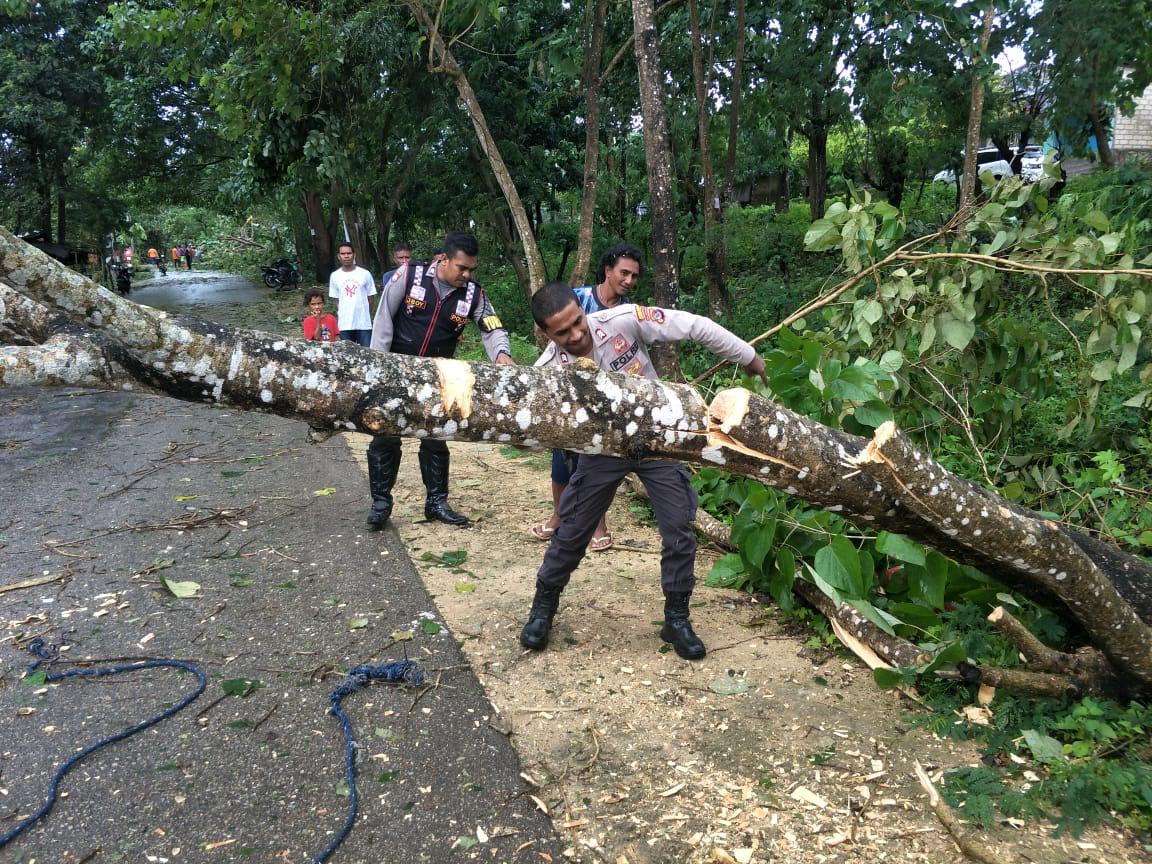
1096 119
319 235
597 9
718 302
735 99
658 153
975 116
884 483
447 64
817 160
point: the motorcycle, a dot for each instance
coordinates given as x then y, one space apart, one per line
122 277
282 274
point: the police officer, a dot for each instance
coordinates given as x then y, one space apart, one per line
423 312
617 340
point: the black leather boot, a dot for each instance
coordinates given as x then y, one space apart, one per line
434 472
539 626
383 465
677 629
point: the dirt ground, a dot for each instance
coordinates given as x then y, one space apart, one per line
761 752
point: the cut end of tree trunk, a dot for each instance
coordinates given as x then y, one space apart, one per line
457 382
729 409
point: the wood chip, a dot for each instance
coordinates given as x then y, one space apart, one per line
807 796
671 790
543 807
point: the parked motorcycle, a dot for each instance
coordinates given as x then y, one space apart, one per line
282 274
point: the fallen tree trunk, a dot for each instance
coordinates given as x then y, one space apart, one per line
885 483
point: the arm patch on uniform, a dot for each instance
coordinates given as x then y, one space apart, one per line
649 313
489 323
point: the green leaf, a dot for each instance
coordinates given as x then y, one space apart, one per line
891 361
36 679
357 623
780 587
948 656
956 333
1096 219
429 627
839 565
233 473
326 491
1045 749
180 589
240 686
886 679
727 572
728 685
465 587
899 547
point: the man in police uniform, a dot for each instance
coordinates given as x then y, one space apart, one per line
617 340
423 312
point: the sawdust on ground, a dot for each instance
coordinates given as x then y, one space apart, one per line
764 751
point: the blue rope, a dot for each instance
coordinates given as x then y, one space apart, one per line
49 652
402 672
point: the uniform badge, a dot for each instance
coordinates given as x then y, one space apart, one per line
620 344
600 334
650 313
489 323
417 292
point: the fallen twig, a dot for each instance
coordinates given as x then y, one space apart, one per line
33 582
971 847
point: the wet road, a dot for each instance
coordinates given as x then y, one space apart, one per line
181 289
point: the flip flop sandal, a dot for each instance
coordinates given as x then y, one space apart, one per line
542 532
601 544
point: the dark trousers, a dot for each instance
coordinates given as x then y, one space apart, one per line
360 337
588 497
380 443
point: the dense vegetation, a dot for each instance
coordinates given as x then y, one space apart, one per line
257 129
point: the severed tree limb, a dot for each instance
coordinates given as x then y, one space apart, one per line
1054 684
1034 545
881 484
969 845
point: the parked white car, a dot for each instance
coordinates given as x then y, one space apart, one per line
988 160
1032 163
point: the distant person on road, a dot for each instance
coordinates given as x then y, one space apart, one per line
153 256
319 325
351 286
401 255
617 340
620 267
176 253
422 313
189 249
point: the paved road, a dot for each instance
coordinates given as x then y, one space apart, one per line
112 493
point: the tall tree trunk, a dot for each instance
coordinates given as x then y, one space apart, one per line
1096 119
76 333
817 162
658 153
975 115
718 301
735 99
61 212
319 235
447 64
596 11
386 211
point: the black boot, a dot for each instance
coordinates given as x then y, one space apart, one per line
544 605
677 629
383 465
434 472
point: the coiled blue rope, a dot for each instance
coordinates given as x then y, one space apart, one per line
49 652
402 672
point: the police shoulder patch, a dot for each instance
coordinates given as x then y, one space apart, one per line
650 313
489 323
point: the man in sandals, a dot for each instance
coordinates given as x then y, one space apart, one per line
617 340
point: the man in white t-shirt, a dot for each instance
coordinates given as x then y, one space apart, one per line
352 286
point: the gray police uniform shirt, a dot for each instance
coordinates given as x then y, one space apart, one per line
621 336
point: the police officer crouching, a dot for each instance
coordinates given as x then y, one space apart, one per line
423 311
